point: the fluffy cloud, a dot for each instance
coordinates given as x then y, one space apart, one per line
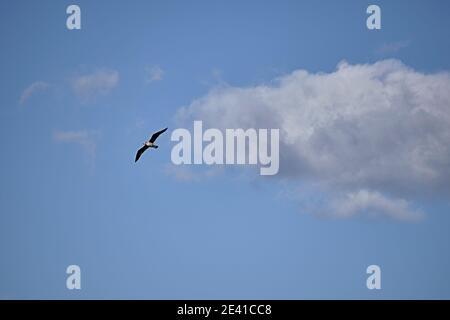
35 87
372 136
100 82
392 47
153 74
374 203
84 138
190 173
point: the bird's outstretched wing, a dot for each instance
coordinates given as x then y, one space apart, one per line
156 135
140 152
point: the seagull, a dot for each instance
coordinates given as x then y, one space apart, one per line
149 144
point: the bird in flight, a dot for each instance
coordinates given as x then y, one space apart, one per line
149 144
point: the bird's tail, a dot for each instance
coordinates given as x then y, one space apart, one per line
156 147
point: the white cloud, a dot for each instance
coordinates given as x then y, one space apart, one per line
181 173
392 47
189 174
154 73
375 204
382 127
100 82
35 87
84 138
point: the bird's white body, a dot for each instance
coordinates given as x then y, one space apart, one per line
149 144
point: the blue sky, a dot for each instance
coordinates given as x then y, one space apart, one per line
76 105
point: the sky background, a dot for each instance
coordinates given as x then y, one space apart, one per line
76 105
